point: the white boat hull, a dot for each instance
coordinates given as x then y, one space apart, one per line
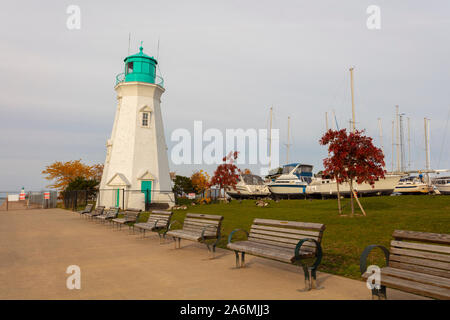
290 190
329 187
245 192
443 189
412 188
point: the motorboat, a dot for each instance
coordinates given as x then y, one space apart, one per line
292 182
412 185
442 184
250 186
327 187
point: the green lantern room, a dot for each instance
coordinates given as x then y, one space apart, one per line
140 67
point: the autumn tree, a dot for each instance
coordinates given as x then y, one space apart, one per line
227 173
200 181
182 184
80 183
352 157
62 173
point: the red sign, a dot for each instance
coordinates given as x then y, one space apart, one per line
46 195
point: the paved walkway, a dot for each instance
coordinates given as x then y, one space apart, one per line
36 247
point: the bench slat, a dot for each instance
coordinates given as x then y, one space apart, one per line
416 276
283 235
305 247
287 230
422 236
305 225
206 216
421 254
420 262
416 268
420 246
201 221
276 239
415 287
200 230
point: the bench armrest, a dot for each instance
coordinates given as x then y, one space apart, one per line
318 252
233 232
365 254
156 222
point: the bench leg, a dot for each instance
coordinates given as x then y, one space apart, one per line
175 242
379 294
237 259
243 260
159 235
310 279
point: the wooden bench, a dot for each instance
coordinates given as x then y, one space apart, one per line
198 227
286 241
157 221
129 216
110 214
98 211
86 209
418 263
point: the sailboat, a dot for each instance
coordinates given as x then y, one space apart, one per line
323 186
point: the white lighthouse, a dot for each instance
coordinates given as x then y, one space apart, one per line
136 172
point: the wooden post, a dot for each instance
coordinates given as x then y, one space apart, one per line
7 203
351 197
359 203
339 198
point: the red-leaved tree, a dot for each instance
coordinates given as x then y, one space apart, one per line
352 157
227 173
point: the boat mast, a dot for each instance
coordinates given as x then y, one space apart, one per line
353 100
427 142
381 134
392 157
270 139
402 144
334 121
288 144
409 146
397 130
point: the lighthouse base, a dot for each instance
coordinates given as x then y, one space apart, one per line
135 199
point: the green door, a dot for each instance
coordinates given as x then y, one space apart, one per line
118 198
146 187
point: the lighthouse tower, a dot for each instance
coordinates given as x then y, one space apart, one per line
136 171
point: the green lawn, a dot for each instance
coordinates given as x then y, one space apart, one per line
345 237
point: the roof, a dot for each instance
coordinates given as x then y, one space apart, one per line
140 54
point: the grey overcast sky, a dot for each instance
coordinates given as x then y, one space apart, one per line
224 62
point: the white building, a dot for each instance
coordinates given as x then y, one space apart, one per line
136 172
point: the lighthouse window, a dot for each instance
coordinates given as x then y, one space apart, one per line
145 119
129 67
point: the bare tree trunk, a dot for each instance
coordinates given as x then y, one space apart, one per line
339 198
351 197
